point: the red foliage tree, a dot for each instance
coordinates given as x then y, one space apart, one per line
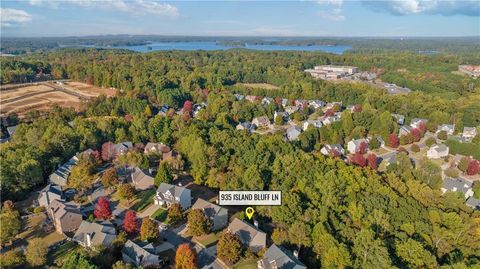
393 140
108 151
130 222
102 209
422 127
416 134
473 168
185 257
278 100
187 106
362 148
128 117
329 112
357 108
372 161
359 160
186 116
96 156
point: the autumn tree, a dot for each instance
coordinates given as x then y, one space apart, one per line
357 108
415 148
329 112
358 159
126 191
473 167
372 161
442 135
362 148
36 252
416 134
229 248
110 177
198 223
299 234
149 230
10 224
174 214
463 164
187 106
393 141
102 209
185 257
130 222
82 174
108 151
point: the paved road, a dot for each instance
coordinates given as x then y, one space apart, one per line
149 211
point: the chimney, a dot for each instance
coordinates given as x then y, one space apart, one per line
89 240
295 253
179 184
255 223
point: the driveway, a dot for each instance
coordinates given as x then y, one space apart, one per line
149 211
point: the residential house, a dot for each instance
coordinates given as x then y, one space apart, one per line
66 217
93 234
332 105
448 128
141 180
404 130
239 97
279 258
458 184
248 126
163 110
389 159
293 133
11 130
141 254
291 109
252 98
284 102
217 214
400 118
469 133
267 100
473 203
350 108
415 123
261 122
332 150
353 146
314 123
60 176
437 151
282 114
156 148
249 235
316 104
122 147
50 193
168 194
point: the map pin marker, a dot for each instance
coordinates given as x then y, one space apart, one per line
249 211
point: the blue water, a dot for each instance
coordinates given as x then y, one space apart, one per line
210 45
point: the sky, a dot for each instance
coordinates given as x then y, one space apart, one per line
38 18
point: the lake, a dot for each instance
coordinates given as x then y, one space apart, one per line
210 45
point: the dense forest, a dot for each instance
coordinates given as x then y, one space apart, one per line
338 215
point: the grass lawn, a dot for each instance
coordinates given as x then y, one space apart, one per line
143 200
160 214
380 151
246 264
207 240
58 255
34 230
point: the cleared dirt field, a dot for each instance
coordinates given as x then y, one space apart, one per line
44 96
259 86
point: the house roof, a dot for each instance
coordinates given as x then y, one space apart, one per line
470 130
157 146
100 233
137 252
262 120
11 130
457 184
293 132
245 231
61 210
123 145
175 191
141 178
211 210
357 142
439 148
50 193
473 202
279 258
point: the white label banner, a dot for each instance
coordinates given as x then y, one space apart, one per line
250 198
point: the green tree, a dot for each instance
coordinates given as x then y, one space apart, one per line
110 177
10 224
415 255
198 223
75 260
299 234
229 248
476 189
126 191
82 174
442 135
370 252
253 179
164 174
279 236
36 252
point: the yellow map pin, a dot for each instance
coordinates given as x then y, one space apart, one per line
249 211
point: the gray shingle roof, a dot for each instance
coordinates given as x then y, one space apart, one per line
210 209
457 184
100 233
280 258
174 190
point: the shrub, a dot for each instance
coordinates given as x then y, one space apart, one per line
415 148
442 135
451 172
39 209
430 141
